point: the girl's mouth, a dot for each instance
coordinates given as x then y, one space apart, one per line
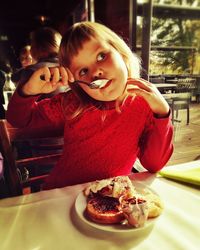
107 84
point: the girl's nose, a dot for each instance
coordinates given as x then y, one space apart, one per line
98 73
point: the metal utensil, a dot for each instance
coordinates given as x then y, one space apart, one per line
97 84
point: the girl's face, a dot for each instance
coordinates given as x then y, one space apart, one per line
99 60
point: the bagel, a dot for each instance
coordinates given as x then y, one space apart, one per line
104 210
155 205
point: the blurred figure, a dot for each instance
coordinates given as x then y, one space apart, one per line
44 43
25 56
25 59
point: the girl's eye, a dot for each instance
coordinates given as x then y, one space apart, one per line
83 72
101 56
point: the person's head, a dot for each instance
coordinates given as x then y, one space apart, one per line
45 43
93 51
25 56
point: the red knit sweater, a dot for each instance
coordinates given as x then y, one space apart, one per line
101 143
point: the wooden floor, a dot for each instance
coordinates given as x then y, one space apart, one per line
187 137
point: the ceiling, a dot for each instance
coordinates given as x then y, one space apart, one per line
19 18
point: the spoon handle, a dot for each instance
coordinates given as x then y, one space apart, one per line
91 85
79 81
42 77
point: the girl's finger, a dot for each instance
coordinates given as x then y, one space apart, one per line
138 91
140 83
70 75
64 76
44 72
56 75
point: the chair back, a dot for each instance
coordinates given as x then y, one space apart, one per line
157 79
186 85
28 156
186 88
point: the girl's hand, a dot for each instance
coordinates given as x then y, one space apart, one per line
35 86
150 93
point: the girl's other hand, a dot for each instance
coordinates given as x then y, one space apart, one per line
53 78
150 93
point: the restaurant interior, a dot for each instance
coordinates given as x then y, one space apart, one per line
165 35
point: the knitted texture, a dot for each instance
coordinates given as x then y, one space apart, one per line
100 143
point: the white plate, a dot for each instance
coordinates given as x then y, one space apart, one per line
81 202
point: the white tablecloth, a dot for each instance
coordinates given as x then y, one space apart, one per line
47 221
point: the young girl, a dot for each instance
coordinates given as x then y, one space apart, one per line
105 129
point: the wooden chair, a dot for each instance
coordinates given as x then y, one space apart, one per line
26 153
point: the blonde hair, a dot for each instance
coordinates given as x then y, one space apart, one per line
73 40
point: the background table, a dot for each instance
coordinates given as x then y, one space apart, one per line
166 87
47 221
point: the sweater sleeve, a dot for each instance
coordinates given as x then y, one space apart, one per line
156 144
26 112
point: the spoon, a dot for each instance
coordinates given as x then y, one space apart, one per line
97 84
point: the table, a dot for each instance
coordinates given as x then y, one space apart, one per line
173 80
163 87
47 221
